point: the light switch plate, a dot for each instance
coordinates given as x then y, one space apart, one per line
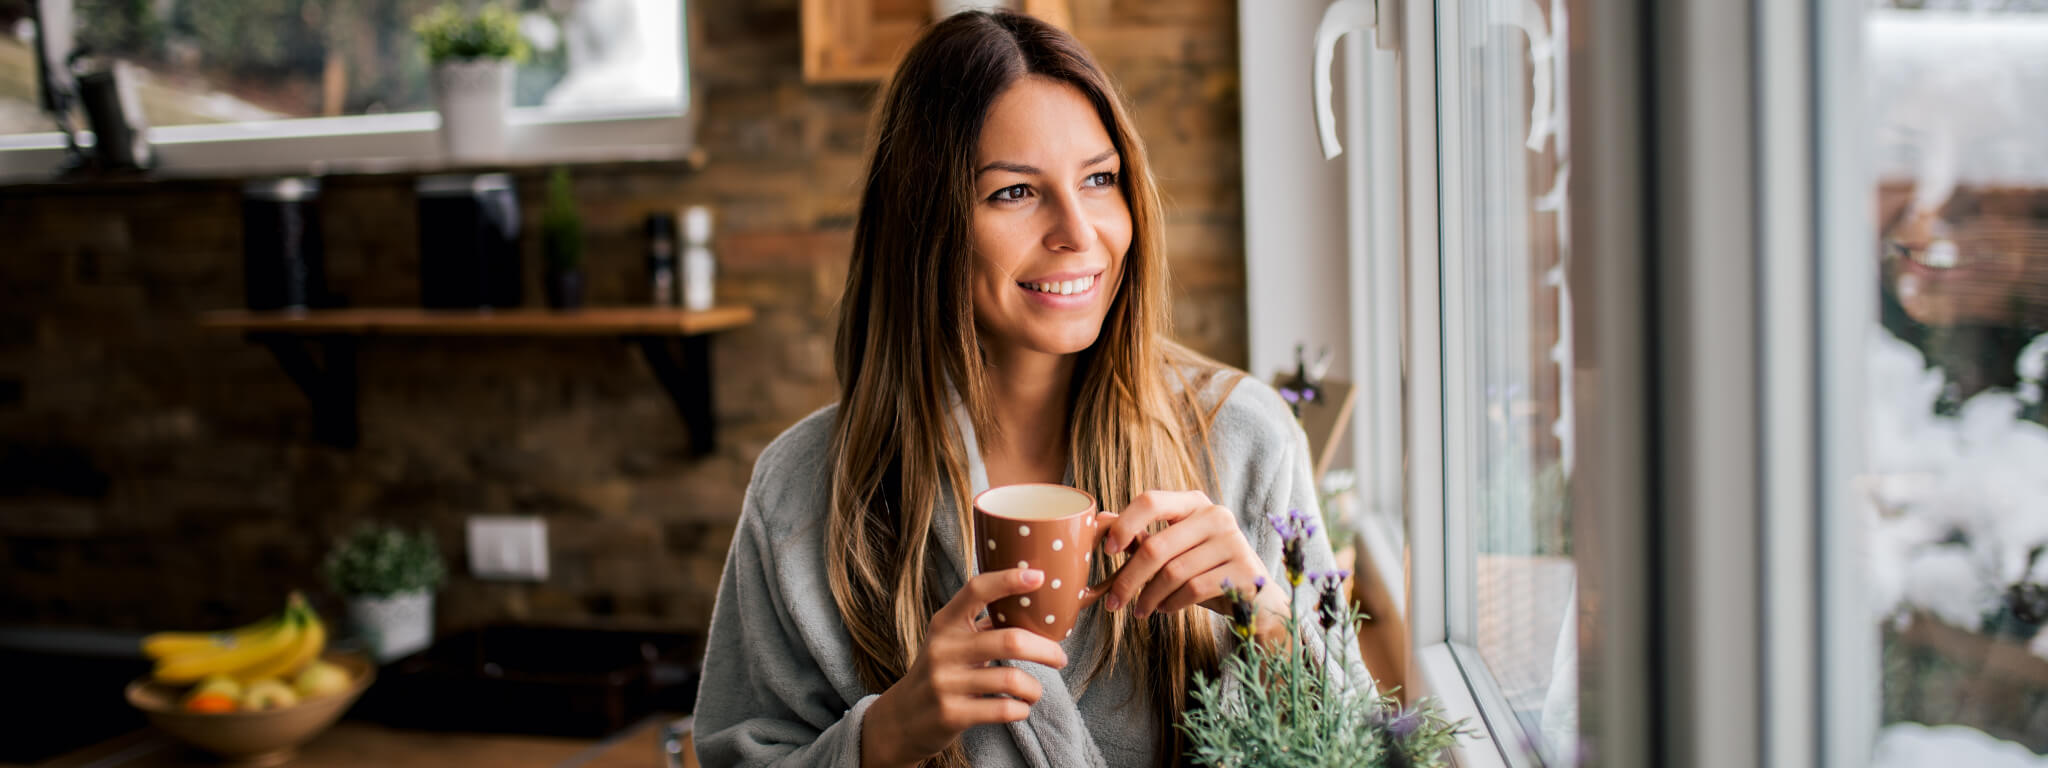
507 547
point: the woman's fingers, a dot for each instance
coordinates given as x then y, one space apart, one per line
1158 550
1147 509
993 681
1010 644
1204 588
983 589
1180 572
959 713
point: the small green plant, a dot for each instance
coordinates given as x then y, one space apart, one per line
561 225
383 560
1282 707
490 33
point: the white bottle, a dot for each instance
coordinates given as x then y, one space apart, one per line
698 268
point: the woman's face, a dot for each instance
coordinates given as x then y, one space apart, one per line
1050 222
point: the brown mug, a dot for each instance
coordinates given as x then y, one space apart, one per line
1042 526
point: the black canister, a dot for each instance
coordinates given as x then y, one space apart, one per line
469 242
661 259
282 263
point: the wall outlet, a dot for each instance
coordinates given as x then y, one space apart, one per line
508 547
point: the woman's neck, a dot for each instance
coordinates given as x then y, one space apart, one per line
1031 392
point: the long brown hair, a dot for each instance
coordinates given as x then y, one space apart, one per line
907 346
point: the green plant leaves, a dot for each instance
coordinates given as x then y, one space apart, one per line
382 560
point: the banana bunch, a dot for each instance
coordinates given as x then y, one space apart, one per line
273 647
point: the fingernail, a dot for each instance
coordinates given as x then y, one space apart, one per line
1033 576
1113 602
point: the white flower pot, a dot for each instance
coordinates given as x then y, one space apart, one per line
391 627
943 8
472 96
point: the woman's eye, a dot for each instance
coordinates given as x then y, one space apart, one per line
1103 179
1011 193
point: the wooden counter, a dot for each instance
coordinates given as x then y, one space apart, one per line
351 744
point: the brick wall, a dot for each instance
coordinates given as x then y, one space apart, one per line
155 475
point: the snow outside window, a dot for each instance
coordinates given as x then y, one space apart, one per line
1955 491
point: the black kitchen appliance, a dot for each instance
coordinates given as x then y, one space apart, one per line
469 242
569 681
283 266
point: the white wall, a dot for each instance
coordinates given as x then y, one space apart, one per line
1296 281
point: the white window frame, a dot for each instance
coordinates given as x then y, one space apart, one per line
1719 183
1704 442
386 143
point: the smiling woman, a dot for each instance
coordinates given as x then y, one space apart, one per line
1004 322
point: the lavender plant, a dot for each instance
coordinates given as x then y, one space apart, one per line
1285 707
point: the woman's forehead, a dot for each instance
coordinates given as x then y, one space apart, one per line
1043 123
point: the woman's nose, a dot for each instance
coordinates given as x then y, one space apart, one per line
1069 229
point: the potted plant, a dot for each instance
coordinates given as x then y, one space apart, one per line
562 239
472 57
388 576
1282 706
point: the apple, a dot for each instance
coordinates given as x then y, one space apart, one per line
320 679
218 684
268 693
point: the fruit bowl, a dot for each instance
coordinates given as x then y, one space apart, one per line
262 738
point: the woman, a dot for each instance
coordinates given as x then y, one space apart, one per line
1004 321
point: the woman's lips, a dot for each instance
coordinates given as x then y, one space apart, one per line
1063 294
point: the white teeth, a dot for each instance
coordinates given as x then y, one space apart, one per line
1063 287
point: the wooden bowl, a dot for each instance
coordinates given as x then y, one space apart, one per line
265 738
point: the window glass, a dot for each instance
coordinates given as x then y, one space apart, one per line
1957 488
220 61
1505 390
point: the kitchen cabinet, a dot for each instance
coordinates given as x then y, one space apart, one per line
860 41
352 744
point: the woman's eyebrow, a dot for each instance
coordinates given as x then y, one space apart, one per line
999 165
1032 170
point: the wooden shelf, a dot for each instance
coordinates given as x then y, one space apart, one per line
860 41
593 321
317 349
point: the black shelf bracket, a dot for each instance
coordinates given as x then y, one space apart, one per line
683 365
324 368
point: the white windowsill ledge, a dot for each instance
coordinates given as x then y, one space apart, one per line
395 143
1442 678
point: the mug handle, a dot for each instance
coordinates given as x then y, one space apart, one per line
1093 594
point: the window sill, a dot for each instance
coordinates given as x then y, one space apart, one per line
1440 676
368 144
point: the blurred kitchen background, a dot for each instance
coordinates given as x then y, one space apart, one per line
1700 382
159 472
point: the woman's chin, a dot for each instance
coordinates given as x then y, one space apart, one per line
1073 342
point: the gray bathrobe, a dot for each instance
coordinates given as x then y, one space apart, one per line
780 687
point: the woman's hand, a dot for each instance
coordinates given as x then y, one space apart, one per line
1186 563
951 686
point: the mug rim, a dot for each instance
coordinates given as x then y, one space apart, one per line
1093 505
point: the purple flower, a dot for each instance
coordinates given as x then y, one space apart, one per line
1330 603
1294 528
1406 725
1241 609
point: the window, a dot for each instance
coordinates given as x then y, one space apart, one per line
1509 571
1465 342
222 71
1952 487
